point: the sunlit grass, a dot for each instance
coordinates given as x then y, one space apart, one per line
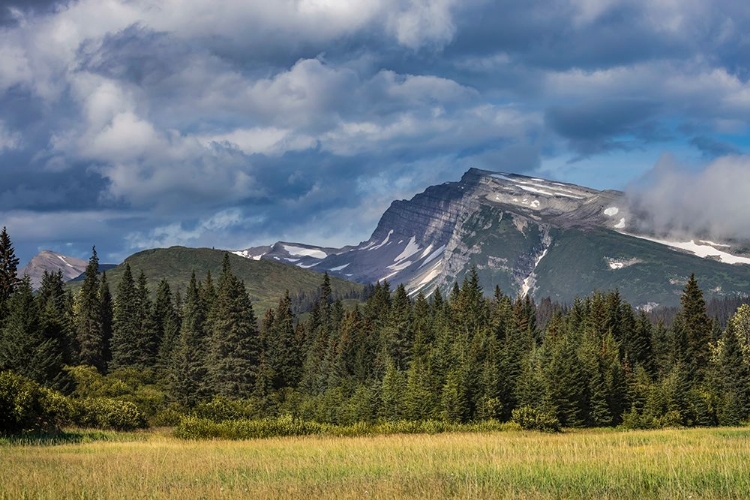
694 463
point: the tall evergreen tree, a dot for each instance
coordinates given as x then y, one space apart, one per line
188 368
166 320
697 328
8 268
23 346
55 324
107 304
146 341
125 328
90 324
234 348
734 381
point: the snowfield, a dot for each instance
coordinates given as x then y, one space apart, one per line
305 252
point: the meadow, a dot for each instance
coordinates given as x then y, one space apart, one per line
593 463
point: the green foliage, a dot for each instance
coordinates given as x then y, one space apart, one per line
107 413
530 419
125 384
8 268
90 333
234 342
27 407
198 428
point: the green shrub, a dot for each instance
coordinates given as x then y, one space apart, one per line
107 413
221 409
168 417
201 428
531 419
27 407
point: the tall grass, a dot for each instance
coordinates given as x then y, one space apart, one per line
693 463
203 428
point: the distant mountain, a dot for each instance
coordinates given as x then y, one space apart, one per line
527 235
50 261
265 281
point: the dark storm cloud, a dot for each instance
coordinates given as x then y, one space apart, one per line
238 123
712 148
597 127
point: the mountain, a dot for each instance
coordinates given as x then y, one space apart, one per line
526 235
265 281
50 261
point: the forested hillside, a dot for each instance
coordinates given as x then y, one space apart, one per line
459 358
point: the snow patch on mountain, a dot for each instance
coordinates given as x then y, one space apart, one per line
305 252
339 268
713 244
611 211
619 263
246 254
411 249
433 255
535 190
64 261
384 242
433 273
621 224
705 251
400 266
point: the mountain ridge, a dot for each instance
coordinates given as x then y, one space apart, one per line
513 229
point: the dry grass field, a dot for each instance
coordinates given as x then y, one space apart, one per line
602 464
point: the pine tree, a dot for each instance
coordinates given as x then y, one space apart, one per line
23 346
734 381
187 369
90 324
392 393
454 401
8 269
234 345
54 318
125 328
398 336
166 322
567 383
697 327
107 305
146 346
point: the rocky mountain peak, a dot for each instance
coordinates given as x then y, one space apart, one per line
50 261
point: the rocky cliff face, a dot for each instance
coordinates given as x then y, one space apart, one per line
49 261
523 234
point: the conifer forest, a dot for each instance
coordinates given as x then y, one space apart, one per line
128 357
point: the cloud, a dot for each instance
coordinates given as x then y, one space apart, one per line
712 148
599 126
710 202
303 119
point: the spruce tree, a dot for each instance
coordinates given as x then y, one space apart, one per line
8 268
125 329
146 346
107 305
23 347
697 327
166 322
89 322
187 369
734 381
54 318
234 348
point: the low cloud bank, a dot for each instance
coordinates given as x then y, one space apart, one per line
713 202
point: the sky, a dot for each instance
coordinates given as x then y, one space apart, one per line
133 124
